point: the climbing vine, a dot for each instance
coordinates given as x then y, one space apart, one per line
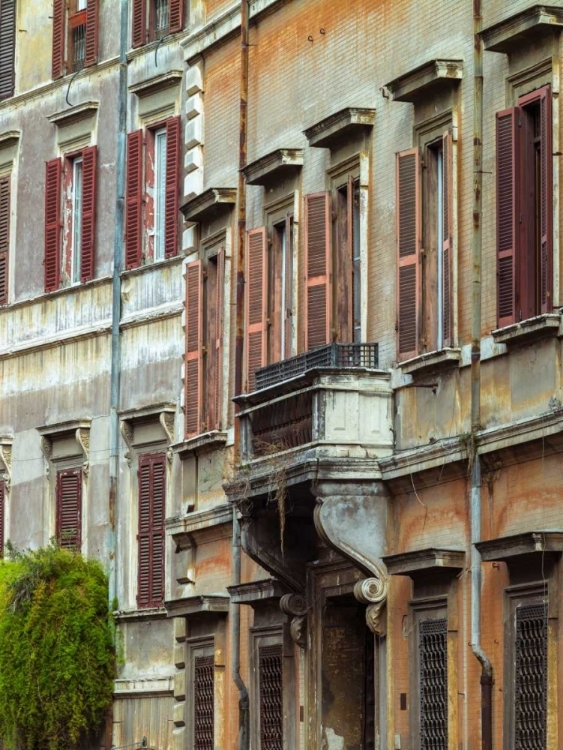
57 660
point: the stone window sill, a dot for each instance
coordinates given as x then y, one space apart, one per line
431 361
206 441
528 330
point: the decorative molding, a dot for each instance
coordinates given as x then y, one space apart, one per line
82 435
182 528
440 359
150 613
205 206
205 442
295 605
431 77
9 139
211 604
166 419
340 126
424 560
532 329
273 165
256 593
519 30
144 687
156 83
74 114
531 542
373 592
6 458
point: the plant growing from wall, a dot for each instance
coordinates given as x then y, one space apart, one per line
57 660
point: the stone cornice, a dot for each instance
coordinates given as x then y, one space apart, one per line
257 592
74 114
531 542
156 83
424 560
206 205
271 166
211 605
340 125
433 75
185 530
522 28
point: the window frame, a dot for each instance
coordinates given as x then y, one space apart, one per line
197 648
66 19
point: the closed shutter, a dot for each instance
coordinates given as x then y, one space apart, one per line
448 208
270 680
217 386
175 15
58 53
172 211
508 161
89 159
138 23
256 314
7 47
2 516
52 224
4 237
69 509
134 199
152 507
318 270
194 338
91 56
546 219
408 252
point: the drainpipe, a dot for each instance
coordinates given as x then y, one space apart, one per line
244 702
486 666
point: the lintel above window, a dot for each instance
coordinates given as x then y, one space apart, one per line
334 129
426 80
210 605
522 29
207 205
424 561
257 593
271 167
507 548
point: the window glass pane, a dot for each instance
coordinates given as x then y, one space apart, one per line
76 219
159 193
161 15
81 5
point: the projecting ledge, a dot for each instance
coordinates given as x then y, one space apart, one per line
257 592
440 359
273 166
531 329
424 560
506 548
433 76
522 29
198 605
343 124
207 205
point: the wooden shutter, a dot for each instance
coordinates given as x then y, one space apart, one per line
134 199
447 223
91 53
4 237
256 313
408 252
139 23
89 160
2 516
175 15
172 210
318 270
7 47
508 161
52 224
152 507
69 509
194 342
217 387
546 199
58 52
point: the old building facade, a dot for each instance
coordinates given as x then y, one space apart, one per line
280 344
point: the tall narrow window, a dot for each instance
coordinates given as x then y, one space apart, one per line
152 496
7 47
4 237
347 262
203 703
69 508
159 193
433 687
280 290
75 35
76 219
270 686
530 672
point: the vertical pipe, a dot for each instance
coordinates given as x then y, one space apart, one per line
244 703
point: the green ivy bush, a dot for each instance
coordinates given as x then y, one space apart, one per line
57 659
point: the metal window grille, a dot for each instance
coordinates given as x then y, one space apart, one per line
271 697
433 650
78 46
530 693
161 17
203 703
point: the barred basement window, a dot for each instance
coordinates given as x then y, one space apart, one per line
271 697
433 653
530 689
203 703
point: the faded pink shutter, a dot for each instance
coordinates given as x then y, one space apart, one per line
69 509
52 224
218 385
507 213
139 23
150 538
91 52
318 270
255 329
58 51
408 252
4 237
546 162
447 202
144 534
172 210
175 15
89 159
134 200
194 341
7 47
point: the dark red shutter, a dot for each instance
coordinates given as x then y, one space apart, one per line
52 224
139 23
546 156
152 507
508 160
193 376
91 56
4 237
256 314
69 509
58 53
318 270
175 15
7 47
447 203
408 252
217 386
134 200
172 211
2 516
89 161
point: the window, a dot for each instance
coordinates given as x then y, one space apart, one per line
525 208
153 19
70 188
152 202
530 676
5 191
152 511
7 47
69 508
75 35
279 294
347 290
270 690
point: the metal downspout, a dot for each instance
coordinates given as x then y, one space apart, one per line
474 462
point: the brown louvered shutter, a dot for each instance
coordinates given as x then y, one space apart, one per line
447 202
69 509
2 516
91 52
139 23
546 199
172 211
52 224
152 497
134 199
256 313
218 343
175 15
4 237
7 47
318 270
408 252
508 161
58 54
193 376
89 159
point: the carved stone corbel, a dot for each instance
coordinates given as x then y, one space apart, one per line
83 439
373 592
6 457
166 419
295 605
126 429
47 450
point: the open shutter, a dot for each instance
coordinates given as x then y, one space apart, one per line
218 343
318 270
255 329
546 157
150 539
194 341
408 252
175 15
447 223
172 210
138 23
4 237
288 312
69 508
2 516
58 52
91 52
52 224
134 199
89 159
507 213
144 535
7 47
